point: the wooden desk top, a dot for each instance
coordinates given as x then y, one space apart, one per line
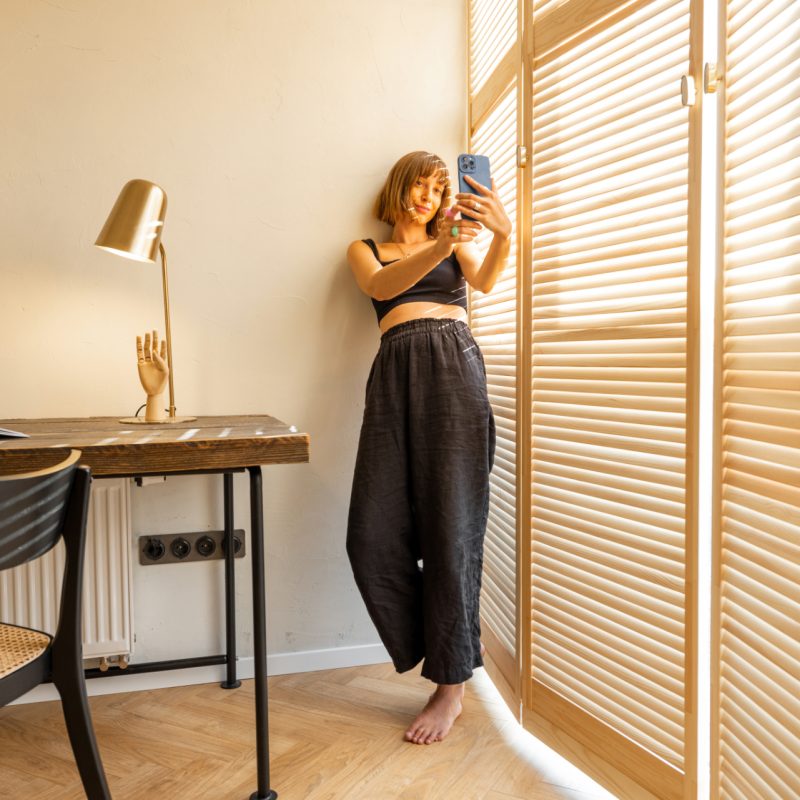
111 447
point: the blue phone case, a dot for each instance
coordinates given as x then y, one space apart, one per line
476 167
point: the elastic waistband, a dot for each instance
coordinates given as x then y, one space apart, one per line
423 325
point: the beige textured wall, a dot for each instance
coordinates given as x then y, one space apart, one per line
270 126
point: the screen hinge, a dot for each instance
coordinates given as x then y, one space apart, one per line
522 156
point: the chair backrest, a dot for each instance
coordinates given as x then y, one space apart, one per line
32 510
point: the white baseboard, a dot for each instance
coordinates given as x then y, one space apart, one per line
277 664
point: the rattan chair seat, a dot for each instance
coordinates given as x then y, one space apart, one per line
19 646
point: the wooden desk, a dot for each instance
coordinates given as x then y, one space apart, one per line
206 445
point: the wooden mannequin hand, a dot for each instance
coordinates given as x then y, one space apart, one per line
153 373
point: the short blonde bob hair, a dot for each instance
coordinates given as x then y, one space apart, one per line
394 198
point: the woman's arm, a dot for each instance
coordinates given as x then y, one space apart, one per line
482 275
386 282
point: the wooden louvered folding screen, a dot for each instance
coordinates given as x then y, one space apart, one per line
611 382
604 391
757 710
493 319
494 325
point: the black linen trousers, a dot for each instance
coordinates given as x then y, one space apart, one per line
421 492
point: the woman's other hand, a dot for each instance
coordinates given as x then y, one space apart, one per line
486 208
465 231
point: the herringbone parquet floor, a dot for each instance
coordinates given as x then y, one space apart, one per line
333 734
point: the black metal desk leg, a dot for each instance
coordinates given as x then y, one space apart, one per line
230 587
260 636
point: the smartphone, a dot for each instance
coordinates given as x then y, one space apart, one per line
477 167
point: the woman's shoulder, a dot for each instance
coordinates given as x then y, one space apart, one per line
361 248
365 242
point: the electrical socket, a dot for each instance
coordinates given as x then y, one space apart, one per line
178 548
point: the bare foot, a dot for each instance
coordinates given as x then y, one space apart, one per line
483 649
433 723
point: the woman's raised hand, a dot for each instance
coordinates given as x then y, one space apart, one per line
486 208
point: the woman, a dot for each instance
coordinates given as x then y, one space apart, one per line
421 483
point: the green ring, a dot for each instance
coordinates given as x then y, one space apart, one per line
454 230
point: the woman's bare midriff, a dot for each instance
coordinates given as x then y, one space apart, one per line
407 311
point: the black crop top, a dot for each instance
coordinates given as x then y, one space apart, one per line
443 284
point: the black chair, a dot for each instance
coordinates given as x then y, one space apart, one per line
36 509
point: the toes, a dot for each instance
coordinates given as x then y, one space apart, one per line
412 732
431 735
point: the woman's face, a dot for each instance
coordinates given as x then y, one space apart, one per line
425 196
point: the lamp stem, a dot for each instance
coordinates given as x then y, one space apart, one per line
169 329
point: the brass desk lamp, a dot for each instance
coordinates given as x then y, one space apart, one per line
133 230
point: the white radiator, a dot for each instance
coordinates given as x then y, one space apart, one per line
30 594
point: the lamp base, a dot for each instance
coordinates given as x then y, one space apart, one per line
165 421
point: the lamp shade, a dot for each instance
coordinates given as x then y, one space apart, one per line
133 228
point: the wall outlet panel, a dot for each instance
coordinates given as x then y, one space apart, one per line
179 548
